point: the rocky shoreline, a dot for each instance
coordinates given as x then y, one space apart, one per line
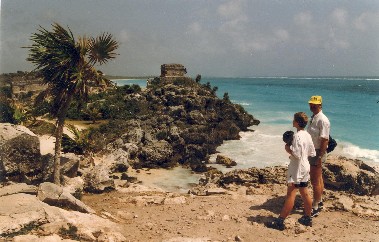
241 199
179 122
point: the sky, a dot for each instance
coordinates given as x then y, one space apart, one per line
219 38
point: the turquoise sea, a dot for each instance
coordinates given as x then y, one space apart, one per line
351 104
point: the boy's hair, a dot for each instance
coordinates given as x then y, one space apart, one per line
288 137
301 118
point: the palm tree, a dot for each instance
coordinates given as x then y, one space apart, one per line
67 67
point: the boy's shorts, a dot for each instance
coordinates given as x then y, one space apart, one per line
301 184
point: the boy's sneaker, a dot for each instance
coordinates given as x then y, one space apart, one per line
320 206
277 223
305 220
315 212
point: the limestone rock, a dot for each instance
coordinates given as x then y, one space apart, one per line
275 175
117 160
35 238
56 196
18 188
185 123
226 161
18 211
69 165
156 153
97 180
175 200
350 175
73 185
20 157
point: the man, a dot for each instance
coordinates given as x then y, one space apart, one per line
319 129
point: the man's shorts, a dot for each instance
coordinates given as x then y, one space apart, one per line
313 160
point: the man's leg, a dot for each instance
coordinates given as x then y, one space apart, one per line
317 184
307 200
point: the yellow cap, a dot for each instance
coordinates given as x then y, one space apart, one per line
315 100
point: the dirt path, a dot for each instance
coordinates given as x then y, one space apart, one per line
172 217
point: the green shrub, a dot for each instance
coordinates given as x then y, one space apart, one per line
161 135
71 146
41 127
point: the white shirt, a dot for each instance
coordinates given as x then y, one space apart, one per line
319 127
302 147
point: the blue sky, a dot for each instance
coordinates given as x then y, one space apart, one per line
236 38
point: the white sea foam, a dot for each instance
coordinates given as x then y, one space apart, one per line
261 148
241 103
353 151
264 147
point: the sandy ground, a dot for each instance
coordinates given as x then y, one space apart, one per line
166 216
228 217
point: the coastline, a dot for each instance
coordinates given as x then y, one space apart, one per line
177 179
233 211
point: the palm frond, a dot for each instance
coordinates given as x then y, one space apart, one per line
63 63
102 49
74 131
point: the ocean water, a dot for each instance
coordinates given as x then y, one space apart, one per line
350 103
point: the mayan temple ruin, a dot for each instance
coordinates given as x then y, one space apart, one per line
173 70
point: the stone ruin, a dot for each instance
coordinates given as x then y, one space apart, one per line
170 73
173 70
21 84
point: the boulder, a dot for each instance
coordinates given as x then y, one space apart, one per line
268 175
18 211
350 175
74 186
22 211
18 188
20 156
117 160
156 154
35 238
97 180
69 165
226 161
56 196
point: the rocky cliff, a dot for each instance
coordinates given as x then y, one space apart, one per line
184 123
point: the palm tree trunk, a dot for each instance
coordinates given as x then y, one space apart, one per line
58 145
58 140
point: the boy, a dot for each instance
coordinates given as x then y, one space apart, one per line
298 173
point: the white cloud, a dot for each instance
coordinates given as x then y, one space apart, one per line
282 35
303 19
330 34
339 16
195 28
367 21
231 9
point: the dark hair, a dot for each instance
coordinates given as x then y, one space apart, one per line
301 118
288 137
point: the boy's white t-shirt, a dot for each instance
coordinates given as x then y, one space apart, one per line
302 147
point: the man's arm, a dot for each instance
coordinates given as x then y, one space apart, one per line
323 145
